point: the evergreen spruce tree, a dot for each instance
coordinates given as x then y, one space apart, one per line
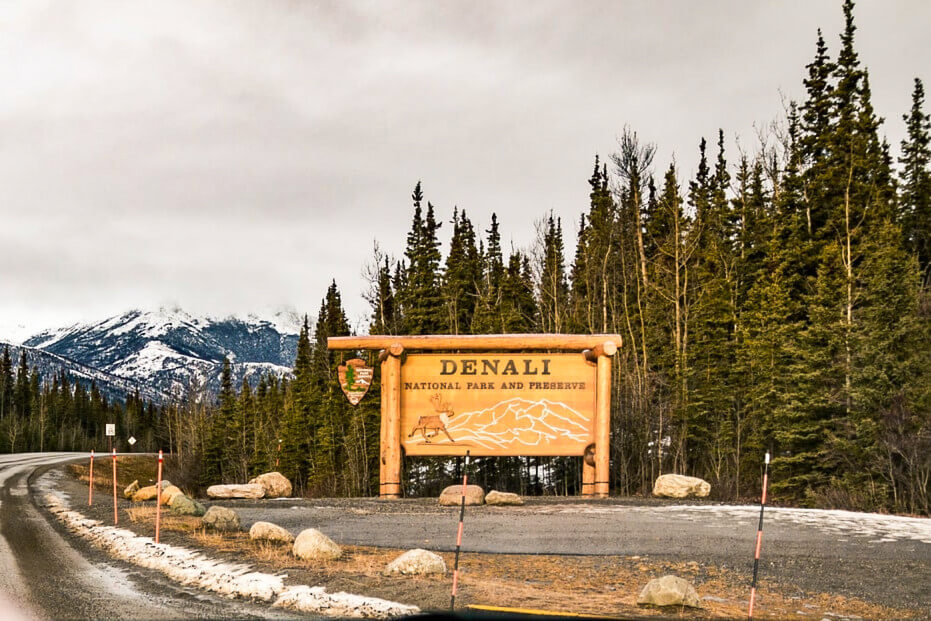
296 430
915 178
6 383
462 275
486 319
421 293
553 289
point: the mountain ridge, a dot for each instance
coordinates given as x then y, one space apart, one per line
173 352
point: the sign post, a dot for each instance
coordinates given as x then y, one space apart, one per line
110 431
495 397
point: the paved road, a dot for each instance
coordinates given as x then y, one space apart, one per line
45 575
884 559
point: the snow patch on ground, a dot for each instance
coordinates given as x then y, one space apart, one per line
878 527
231 579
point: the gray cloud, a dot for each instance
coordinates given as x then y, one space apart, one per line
231 155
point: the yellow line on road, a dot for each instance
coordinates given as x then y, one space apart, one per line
537 612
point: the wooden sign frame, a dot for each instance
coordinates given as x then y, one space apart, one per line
598 349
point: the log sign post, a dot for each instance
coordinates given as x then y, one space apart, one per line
498 396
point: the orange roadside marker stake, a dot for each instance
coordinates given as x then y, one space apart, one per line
90 485
116 516
158 497
465 481
759 538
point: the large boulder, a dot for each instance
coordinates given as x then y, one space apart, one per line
502 498
276 484
170 493
184 505
679 486
222 519
250 490
452 495
149 492
312 545
416 563
131 489
266 531
669 591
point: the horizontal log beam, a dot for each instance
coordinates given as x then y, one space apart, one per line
564 342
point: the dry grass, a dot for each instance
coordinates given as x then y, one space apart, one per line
179 523
129 469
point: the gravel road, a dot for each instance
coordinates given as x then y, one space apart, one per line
882 559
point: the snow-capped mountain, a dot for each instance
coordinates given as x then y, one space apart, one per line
109 385
173 351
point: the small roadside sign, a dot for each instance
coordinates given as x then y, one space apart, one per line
111 430
131 440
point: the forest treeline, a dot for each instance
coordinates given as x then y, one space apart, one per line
59 414
778 300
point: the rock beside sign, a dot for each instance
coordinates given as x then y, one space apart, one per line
503 498
170 493
312 545
276 484
149 492
222 519
452 496
669 591
266 531
185 505
680 486
416 563
250 490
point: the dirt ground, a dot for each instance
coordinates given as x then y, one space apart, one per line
598 585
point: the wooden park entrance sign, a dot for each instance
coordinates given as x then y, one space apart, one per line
494 396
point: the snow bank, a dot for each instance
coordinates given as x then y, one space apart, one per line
878 527
317 600
230 579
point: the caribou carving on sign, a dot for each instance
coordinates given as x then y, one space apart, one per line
434 422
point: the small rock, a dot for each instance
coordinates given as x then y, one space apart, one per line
221 519
669 591
312 545
184 505
276 484
131 489
679 486
416 563
502 498
266 531
452 495
253 491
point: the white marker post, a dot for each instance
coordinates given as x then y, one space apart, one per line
110 432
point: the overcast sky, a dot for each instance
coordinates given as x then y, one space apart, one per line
233 156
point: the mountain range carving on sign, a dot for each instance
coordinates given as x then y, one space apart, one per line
515 423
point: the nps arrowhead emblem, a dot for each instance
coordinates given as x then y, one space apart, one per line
355 378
